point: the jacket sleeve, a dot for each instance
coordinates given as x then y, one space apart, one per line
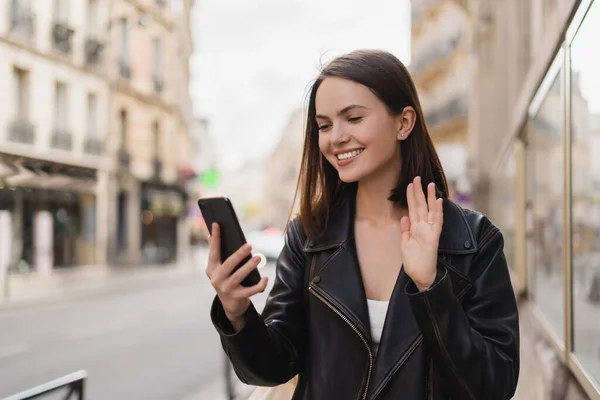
269 349
474 345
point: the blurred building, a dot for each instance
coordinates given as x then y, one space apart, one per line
96 131
53 122
440 68
150 119
281 172
535 162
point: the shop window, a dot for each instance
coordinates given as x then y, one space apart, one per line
546 143
585 192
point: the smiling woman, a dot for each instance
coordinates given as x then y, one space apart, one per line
384 287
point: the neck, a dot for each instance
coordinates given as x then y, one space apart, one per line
372 202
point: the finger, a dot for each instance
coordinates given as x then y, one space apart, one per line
440 212
410 200
238 276
214 252
420 198
233 261
247 292
431 203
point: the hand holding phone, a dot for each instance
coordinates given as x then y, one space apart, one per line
231 268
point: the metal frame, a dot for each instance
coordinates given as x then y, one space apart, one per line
75 382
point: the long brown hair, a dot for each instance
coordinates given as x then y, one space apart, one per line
319 185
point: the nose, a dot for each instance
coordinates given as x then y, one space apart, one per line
338 135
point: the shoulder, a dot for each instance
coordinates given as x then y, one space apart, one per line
466 229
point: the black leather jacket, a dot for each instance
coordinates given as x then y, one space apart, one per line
457 340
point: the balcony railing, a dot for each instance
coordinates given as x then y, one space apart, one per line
74 383
158 85
456 107
21 131
93 51
22 21
442 50
92 145
124 159
124 70
61 37
61 139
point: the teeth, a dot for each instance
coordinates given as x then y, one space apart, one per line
350 154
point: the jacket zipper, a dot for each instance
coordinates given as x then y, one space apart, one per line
314 290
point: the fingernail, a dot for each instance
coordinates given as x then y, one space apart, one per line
256 259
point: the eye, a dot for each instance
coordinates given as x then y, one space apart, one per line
355 119
323 127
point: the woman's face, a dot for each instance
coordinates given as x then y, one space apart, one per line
357 135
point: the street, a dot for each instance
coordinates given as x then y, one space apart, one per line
152 343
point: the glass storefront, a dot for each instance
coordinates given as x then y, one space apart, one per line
546 148
560 201
585 192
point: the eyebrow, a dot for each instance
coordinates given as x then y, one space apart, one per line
343 110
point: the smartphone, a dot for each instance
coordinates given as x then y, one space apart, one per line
220 210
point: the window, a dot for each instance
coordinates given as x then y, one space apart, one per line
60 106
21 96
92 115
124 55
585 193
61 11
156 134
92 17
546 196
123 129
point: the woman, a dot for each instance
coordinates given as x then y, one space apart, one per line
385 288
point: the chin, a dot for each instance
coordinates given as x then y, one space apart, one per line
348 177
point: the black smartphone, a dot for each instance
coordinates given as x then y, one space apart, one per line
220 210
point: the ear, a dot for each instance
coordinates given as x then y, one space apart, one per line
405 122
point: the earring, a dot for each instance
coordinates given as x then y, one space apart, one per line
402 135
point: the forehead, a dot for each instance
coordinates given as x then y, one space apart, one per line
336 93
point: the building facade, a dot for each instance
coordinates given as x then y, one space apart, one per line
150 139
53 123
440 32
281 172
536 111
94 133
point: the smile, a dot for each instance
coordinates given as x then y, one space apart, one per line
349 155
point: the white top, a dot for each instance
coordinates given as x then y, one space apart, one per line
377 312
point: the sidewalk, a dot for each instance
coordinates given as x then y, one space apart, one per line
29 290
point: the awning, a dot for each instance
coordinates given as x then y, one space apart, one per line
31 173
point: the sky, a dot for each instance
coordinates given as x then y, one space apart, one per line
254 61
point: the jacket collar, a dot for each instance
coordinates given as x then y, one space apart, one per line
456 238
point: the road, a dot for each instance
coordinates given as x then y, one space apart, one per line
151 343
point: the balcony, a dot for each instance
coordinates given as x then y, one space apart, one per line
92 145
124 159
441 51
22 22
124 70
61 37
157 168
21 131
61 139
93 51
158 85
457 107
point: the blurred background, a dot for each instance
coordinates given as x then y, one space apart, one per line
117 115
